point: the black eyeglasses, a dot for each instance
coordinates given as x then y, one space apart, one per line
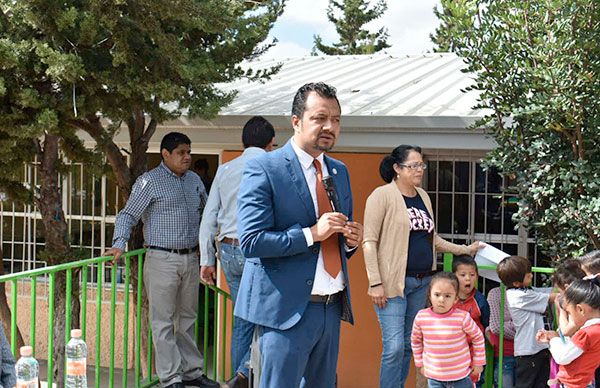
414 167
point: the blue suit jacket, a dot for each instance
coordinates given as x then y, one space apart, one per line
274 204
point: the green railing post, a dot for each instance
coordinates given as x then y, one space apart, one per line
126 319
13 318
84 287
215 334
50 378
205 341
224 336
68 297
99 288
501 338
138 324
448 257
113 303
33 312
68 301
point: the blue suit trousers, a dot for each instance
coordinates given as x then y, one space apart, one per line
304 355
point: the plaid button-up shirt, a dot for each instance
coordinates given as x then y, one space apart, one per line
170 207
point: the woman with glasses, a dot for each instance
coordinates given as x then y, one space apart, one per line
400 245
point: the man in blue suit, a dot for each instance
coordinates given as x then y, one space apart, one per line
295 285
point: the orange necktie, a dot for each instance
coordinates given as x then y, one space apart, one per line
330 247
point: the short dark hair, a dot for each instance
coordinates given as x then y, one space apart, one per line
566 272
463 260
321 88
584 292
591 261
172 140
513 269
398 156
448 276
257 132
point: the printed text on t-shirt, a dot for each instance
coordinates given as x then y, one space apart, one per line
419 220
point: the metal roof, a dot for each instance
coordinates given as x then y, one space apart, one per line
386 100
379 85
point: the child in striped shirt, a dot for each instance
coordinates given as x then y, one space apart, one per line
448 347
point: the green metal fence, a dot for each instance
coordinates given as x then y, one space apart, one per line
212 318
489 368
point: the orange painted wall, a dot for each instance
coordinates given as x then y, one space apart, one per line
360 345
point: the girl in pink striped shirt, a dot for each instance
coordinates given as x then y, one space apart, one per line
448 347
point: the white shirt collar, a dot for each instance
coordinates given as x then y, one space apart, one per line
590 322
306 160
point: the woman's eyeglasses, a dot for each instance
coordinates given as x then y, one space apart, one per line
415 167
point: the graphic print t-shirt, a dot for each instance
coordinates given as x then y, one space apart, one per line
420 255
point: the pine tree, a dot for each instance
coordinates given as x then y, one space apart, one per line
451 14
354 39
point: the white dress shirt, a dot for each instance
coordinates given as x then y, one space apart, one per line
323 283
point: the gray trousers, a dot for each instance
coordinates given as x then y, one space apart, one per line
172 283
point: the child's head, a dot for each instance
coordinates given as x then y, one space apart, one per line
465 269
582 300
566 272
443 292
515 271
590 262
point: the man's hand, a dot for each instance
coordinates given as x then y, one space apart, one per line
116 252
328 224
353 234
208 274
378 296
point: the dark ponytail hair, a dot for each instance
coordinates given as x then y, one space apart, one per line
398 156
584 292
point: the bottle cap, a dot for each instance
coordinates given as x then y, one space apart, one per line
26 351
76 333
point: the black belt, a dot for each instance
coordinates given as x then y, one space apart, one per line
183 251
327 299
420 275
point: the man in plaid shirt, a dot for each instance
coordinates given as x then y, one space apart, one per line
169 199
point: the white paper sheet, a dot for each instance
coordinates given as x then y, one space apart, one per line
489 255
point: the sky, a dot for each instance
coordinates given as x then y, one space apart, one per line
409 23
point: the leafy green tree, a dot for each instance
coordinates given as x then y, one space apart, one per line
102 67
536 67
354 39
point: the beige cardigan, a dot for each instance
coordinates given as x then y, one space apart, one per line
386 236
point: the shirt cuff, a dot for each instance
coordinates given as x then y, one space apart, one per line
207 262
119 243
308 236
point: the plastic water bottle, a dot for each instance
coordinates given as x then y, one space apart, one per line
76 354
27 369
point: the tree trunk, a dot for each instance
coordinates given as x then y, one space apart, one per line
57 248
138 164
5 310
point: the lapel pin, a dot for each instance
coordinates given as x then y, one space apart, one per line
334 171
